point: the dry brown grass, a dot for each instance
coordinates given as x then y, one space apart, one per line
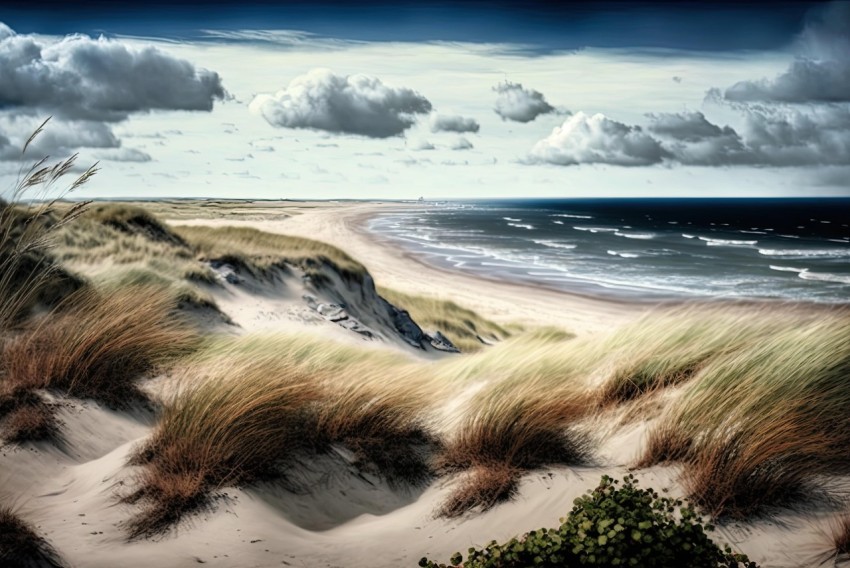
758 425
21 546
31 421
252 409
482 487
98 345
841 535
228 431
510 429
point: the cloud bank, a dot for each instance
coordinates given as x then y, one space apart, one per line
99 79
821 71
353 104
777 137
519 104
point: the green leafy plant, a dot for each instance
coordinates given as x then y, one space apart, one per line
615 524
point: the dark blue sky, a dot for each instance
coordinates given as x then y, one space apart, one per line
709 26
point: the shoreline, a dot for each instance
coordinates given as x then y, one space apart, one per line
506 302
503 301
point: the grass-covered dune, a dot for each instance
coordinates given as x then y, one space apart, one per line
533 401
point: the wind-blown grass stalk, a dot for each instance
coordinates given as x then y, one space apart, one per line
509 429
97 345
26 230
247 411
762 423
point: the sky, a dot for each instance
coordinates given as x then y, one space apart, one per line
399 100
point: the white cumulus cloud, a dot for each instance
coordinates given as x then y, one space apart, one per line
353 104
453 123
519 104
597 139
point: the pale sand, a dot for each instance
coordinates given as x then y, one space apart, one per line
340 518
342 226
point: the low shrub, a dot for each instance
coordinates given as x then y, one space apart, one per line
612 525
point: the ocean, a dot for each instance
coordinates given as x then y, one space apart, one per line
791 249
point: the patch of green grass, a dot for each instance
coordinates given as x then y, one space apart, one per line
466 329
253 248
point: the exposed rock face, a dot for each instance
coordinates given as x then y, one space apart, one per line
443 343
404 325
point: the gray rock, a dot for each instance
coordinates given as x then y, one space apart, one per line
443 343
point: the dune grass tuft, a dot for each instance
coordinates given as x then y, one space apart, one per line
251 409
98 345
32 420
21 546
508 430
467 330
841 536
762 422
132 220
238 425
669 348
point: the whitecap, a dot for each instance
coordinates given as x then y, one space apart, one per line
806 253
726 242
595 229
642 236
521 226
558 222
787 268
687 236
825 277
570 216
511 219
554 244
623 254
